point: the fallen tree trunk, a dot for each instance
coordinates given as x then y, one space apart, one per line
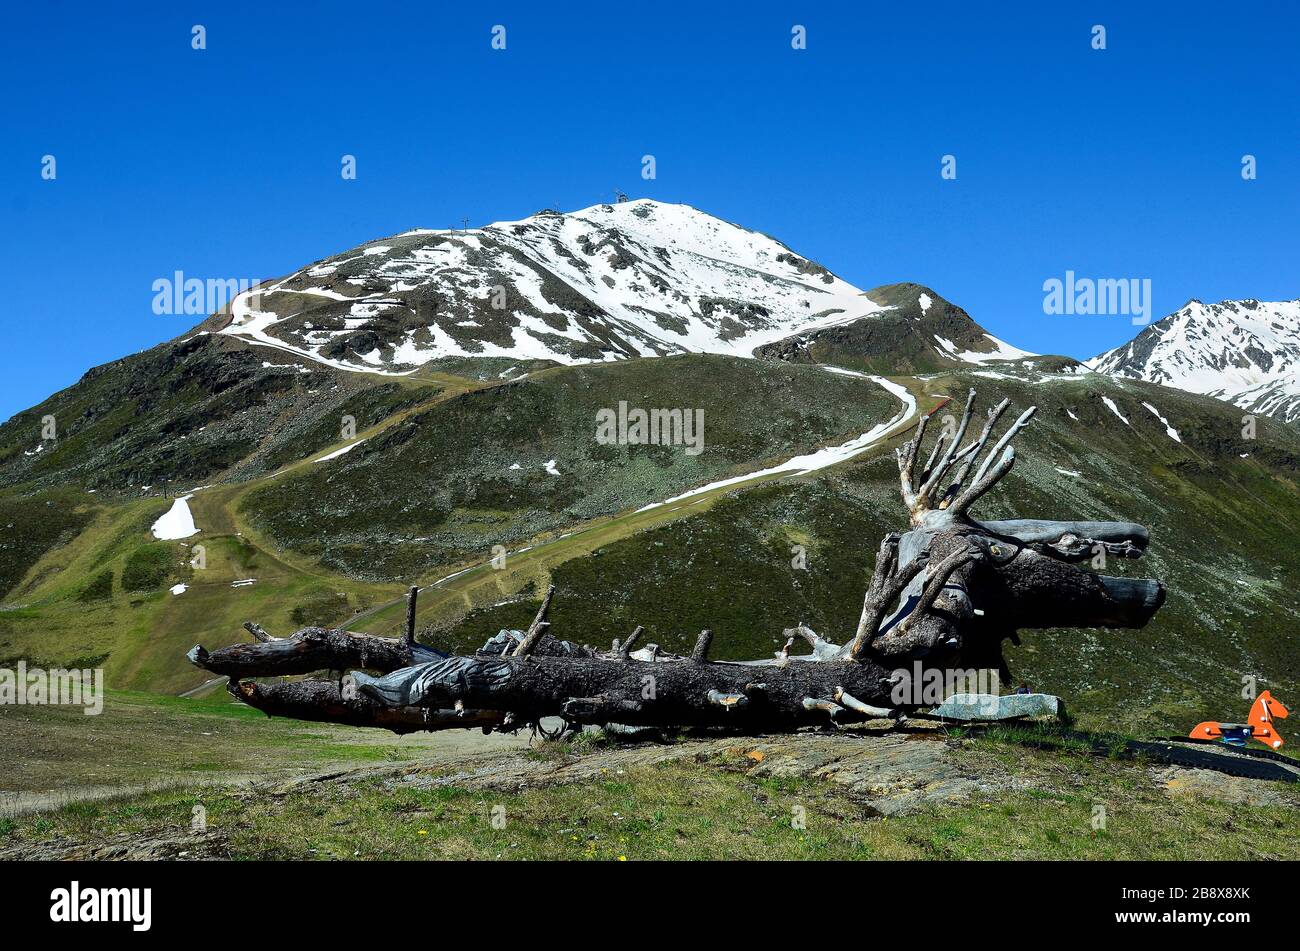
317 648
693 692
943 597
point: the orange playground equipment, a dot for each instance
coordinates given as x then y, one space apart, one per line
1260 725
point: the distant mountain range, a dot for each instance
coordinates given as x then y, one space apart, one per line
1246 352
266 379
643 278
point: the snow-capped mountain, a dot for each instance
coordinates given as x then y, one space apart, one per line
637 278
1246 352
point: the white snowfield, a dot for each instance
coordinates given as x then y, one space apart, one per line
633 279
176 522
1246 352
1173 433
1110 405
1001 350
340 452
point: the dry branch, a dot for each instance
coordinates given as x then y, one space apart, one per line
538 627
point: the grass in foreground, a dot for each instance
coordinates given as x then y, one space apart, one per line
715 810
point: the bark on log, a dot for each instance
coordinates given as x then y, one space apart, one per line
1116 536
309 650
1036 591
636 693
322 701
318 648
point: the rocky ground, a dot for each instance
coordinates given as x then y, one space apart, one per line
854 779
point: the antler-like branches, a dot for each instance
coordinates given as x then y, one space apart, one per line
887 583
974 449
919 492
933 475
986 477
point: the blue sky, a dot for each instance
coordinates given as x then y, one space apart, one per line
225 162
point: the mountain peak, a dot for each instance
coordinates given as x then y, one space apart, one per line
1244 351
612 281
636 278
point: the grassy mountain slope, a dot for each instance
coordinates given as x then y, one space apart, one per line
1007 793
96 585
104 598
192 411
471 472
189 411
1223 511
450 465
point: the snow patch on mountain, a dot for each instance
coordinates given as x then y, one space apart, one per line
1001 351
340 452
1110 405
176 522
1173 433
